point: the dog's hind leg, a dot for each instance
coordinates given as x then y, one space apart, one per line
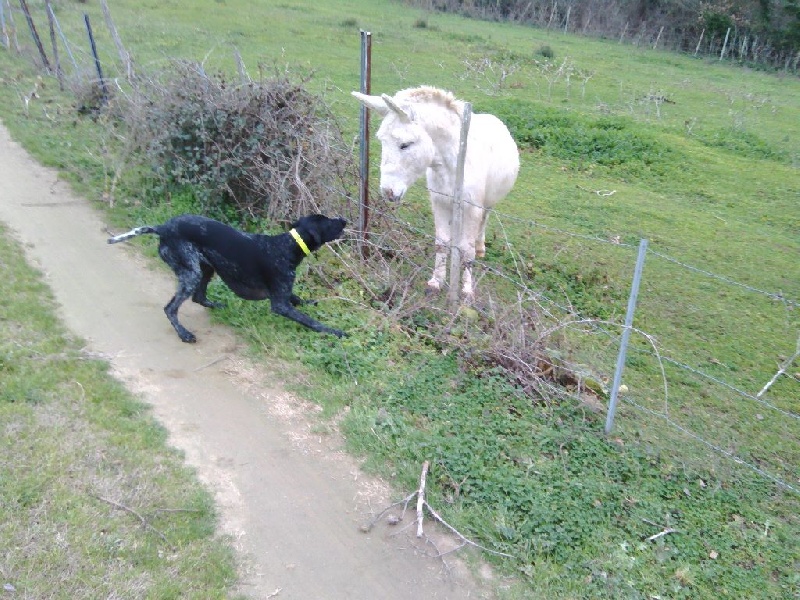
199 295
290 312
185 263
185 289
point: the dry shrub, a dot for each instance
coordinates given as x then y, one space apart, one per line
266 148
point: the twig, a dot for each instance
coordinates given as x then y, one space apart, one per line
461 536
661 533
212 363
665 531
598 192
142 520
421 505
421 497
368 527
786 364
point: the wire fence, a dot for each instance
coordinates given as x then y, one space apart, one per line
742 408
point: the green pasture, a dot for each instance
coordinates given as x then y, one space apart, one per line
618 143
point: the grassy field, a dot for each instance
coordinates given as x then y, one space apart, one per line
702 159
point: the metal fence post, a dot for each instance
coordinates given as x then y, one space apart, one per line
32 26
626 334
456 228
103 87
363 205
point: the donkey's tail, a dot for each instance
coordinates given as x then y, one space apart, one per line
132 233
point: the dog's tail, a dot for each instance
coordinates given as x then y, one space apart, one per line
132 233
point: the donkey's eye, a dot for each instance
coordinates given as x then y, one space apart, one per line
405 145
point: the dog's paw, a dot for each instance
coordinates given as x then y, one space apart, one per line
188 337
338 333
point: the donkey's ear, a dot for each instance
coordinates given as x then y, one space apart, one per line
375 103
405 116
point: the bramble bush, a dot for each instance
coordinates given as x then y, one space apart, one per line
260 149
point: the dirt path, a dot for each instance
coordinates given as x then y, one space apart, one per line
292 501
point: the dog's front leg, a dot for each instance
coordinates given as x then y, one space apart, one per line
171 310
290 312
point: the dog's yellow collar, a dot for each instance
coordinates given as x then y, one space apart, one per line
300 242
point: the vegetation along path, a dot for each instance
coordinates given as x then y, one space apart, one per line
291 501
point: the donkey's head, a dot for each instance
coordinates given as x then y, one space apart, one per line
406 148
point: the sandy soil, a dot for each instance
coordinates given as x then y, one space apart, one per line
291 500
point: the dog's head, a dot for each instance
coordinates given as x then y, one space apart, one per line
319 229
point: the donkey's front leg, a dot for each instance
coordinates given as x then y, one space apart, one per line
439 266
471 244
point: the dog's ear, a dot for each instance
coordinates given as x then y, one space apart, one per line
315 233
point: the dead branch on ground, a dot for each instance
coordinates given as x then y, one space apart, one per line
142 520
422 505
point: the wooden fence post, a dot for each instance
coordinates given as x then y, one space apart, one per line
658 37
700 41
456 227
35 35
59 72
725 44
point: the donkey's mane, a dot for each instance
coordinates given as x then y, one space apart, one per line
432 95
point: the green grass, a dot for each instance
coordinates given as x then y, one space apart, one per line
703 161
75 450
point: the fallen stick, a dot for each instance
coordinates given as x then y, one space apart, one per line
658 535
421 497
781 370
143 521
422 504
212 363
662 533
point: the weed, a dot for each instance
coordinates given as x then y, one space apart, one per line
546 51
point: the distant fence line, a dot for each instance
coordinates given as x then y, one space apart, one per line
655 31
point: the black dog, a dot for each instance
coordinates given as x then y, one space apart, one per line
254 266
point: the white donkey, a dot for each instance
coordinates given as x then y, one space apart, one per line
420 133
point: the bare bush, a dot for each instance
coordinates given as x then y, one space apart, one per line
266 148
